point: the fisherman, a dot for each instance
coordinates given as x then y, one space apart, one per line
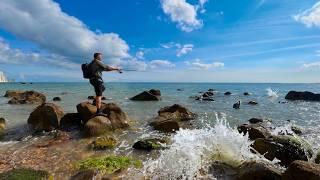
97 67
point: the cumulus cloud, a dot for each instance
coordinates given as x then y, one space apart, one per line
198 65
161 64
45 24
10 55
140 55
183 13
184 49
311 65
310 17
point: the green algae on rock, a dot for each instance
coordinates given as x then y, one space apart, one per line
30 174
109 164
106 142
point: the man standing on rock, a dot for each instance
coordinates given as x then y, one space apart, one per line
97 67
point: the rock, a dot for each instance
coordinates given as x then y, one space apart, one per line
152 95
204 99
2 124
306 96
23 173
207 94
210 90
46 117
258 171
302 170
246 93
13 93
105 142
149 144
255 131
59 137
87 174
56 99
113 118
97 126
25 97
91 97
255 120
70 120
179 89
227 93
317 159
171 118
252 103
165 125
176 112
296 130
86 110
236 105
285 148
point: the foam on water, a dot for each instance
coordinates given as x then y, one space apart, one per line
271 93
195 149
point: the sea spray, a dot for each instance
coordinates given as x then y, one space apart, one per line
271 93
194 149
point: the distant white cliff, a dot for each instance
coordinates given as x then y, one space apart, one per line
3 77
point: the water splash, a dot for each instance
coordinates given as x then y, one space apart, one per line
271 93
195 149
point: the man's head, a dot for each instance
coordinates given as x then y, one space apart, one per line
97 56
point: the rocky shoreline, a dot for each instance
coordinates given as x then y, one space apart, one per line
54 130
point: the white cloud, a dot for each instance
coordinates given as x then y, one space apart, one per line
310 17
133 64
182 13
43 23
198 65
184 49
9 55
167 45
140 55
200 6
311 65
161 64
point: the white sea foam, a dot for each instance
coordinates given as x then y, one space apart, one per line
271 93
195 149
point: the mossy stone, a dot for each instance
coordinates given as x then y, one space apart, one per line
25 174
106 142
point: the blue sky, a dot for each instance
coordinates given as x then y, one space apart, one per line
165 40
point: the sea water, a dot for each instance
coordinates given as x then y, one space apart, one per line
215 135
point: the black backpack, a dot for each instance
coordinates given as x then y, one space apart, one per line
87 71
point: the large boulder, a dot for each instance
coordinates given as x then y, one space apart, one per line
285 148
113 118
302 170
258 170
25 97
171 118
149 144
306 96
46 117
256 130
151 95
2 124
70 120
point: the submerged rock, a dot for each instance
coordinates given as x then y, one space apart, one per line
46 117
204 99
88 174
255 120
25 97
285 148
306 96
246 94
258 170
227 93
302 170
165 125
27 174
252 103
149 144
296 129
105 142
151 95
56 99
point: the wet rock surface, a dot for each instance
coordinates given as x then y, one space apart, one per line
258 170
25 97
302 170
151 95
150 144
306 96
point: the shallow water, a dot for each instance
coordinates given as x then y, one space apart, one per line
303 114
